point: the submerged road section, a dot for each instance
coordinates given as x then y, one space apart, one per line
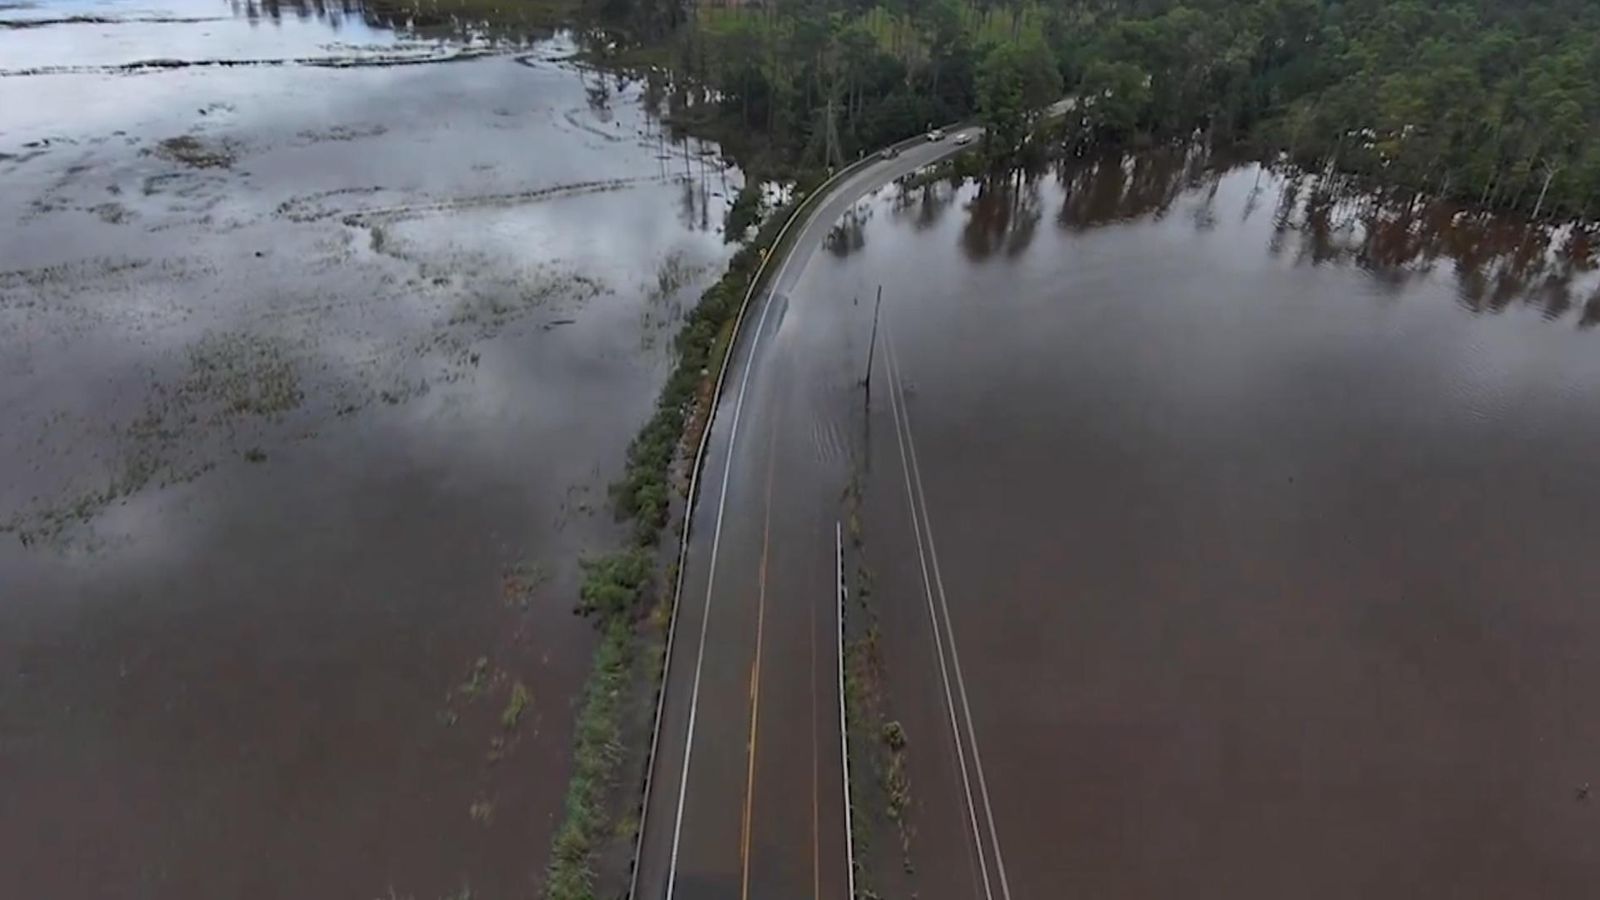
746 796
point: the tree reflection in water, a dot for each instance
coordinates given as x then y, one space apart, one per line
924 202
423 19
1003 215
849 234
1497 261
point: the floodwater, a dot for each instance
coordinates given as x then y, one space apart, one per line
313 372
1263 510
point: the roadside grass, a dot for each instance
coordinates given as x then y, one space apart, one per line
612 583
596 755
877 744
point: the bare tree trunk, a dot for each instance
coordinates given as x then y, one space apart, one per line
1549 175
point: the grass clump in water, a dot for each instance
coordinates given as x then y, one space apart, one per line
192 151
477 679
242 374
518 704
481 811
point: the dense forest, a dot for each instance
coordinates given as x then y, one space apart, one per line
1492 102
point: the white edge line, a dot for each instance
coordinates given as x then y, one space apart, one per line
844 743
955 658
933 620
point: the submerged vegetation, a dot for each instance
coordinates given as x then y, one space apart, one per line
516 705
195 152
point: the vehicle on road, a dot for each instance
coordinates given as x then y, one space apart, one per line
936 134
964 138
889 153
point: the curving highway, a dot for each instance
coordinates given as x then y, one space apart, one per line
746 794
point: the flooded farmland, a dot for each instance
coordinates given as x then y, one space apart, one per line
1262 505
320 340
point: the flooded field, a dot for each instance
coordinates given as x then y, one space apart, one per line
1263 510
319 344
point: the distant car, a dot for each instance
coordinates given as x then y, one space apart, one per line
964 138
936 135
889 153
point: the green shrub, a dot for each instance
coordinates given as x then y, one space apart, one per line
613 584
745 212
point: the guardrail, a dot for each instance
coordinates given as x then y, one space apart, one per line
801 213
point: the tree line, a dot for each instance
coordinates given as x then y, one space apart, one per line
1493 102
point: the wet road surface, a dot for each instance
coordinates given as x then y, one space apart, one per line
747 790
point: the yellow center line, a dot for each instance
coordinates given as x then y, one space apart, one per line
755 668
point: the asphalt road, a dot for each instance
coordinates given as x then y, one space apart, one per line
747 791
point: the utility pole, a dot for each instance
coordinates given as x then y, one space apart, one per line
872 345
832 156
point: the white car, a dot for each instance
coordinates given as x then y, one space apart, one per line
936 134
964 138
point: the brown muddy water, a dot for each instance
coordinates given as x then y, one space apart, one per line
312 376
1265 515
